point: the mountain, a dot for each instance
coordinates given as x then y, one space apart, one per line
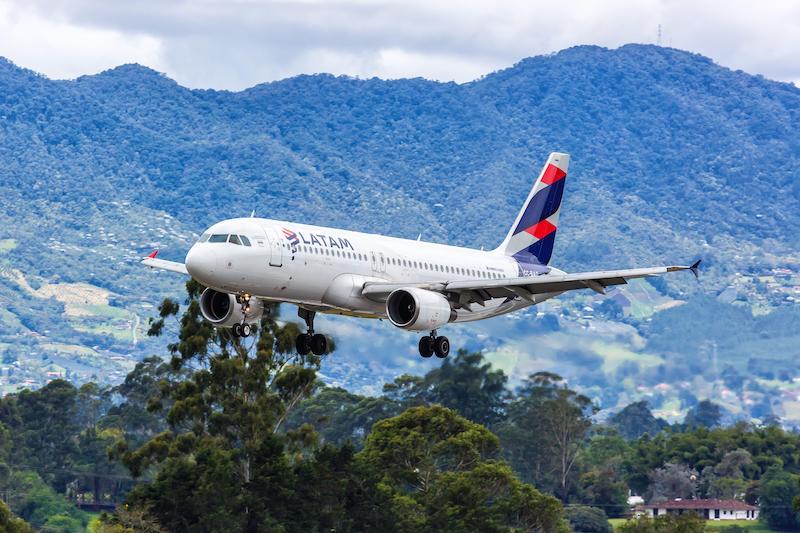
673 158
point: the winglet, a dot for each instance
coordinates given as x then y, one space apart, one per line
153 254
695 268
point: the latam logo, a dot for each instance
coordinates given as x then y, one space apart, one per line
291 237
317 239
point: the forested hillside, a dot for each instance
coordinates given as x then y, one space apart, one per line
673 158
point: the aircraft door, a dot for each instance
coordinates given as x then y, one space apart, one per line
275 248
378 262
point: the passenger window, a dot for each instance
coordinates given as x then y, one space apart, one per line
218 238
245 240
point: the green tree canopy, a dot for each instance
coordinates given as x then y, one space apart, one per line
636 419
438 471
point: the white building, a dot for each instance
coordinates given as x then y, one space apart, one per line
708 509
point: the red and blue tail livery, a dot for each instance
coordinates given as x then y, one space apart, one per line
531 238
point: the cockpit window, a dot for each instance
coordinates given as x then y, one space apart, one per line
234 239
245 240
204 237
218 238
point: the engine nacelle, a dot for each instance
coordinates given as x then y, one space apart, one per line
418 309
222 309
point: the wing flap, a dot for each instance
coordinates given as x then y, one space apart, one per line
525 287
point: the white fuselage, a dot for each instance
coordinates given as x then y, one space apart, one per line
324 269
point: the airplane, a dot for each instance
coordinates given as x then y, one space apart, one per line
418 286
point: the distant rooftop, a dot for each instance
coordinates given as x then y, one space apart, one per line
728 505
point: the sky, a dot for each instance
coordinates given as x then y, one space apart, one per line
236 44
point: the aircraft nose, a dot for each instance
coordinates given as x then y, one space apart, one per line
199 262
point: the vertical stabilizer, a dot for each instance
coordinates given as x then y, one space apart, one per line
531 238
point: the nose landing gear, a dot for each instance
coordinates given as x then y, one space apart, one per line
315 343
433 344
243 329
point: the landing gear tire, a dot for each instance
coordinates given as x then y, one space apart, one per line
236 329
441 346
245 330
303 343
310 342
319 344
426 346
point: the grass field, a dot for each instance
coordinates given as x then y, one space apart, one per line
714 525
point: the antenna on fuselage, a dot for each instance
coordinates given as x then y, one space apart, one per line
253 213
419 237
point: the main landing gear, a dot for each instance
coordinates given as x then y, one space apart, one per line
310 342
432 344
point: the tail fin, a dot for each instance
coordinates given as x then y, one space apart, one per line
531 238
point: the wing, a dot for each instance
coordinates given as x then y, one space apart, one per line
478 291
163 264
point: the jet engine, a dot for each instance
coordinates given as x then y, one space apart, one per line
222 309
418 309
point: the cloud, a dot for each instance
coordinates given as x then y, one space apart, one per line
236 44
61 49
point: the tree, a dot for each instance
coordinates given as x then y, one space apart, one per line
36 502
673 481
545 429
636 419
10 523
778 490
438 472
40 420
587 519
140 391
601 478
222 461
468 384
706 414
726 480
602 489
733 464
422 442
490 498
339 416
